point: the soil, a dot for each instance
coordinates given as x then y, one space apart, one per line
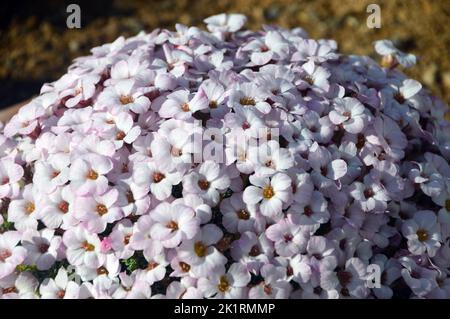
36 46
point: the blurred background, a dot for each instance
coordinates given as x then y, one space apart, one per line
36 46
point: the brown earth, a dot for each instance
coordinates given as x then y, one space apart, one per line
36 46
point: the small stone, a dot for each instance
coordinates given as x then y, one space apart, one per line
74 46
446 79
430 75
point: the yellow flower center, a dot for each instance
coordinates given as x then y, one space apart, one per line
309 79
387 61
29 208
92 174
176 152
203 184
269 163
184 267
185 107
422 235
268 192
223 284
243 214
101 209
157 177
247 101
172 225
120 135
152 265
63 206
200 249
102 271
213 105
126 239
126 99
87 246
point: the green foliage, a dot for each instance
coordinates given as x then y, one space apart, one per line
6 226
131 264
23 268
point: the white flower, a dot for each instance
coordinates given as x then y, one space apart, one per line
423 234
11 255
61 287
225 22
173 224
207 182
42 247
83 248
270 193
387 49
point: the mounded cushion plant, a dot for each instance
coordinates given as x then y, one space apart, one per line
227 163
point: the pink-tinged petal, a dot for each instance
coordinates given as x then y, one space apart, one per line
101 164
140 105
132 135
11 238
74 101
95 225
160 232
124 87
75 257
280 182
336 118
169 108
221 183
84 207
258 180
173 240
271 207
263 107
252 195
199 101
165 81
92 260
120 70
110 197
239 275
261 58
161 214
210 170
78 170
161 190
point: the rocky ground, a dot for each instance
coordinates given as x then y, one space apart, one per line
36 46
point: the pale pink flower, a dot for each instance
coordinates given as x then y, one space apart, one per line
229 285
124 95
207 182
96 211
173 224
87 174
10 175
11 255
42 248
270 193
83 248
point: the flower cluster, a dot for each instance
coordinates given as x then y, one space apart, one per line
103 196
